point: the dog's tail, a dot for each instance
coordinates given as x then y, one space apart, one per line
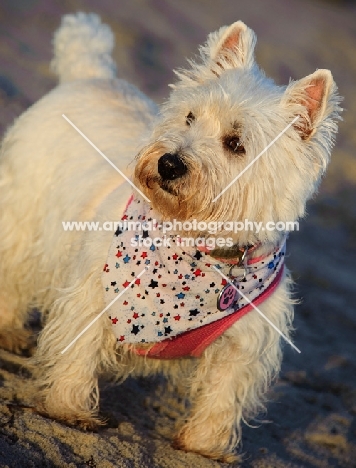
82 48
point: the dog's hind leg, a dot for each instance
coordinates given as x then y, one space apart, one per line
17 277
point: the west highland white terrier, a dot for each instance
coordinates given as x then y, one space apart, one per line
182 290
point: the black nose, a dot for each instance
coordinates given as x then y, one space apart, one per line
171 166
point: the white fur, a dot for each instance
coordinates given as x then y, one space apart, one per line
50 174
82 49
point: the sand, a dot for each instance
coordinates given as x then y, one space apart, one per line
311 416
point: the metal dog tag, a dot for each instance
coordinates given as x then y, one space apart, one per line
226 297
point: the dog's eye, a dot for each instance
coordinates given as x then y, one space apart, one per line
189 119
234 144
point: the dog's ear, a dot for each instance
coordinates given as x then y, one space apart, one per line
315 99
228 48
232 46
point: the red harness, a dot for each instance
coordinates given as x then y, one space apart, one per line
193 342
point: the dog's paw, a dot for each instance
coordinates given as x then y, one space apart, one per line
90 424
82 421
17 340
224 457
87 424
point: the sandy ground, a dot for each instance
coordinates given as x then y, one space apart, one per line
313 405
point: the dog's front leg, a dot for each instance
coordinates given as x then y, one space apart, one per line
227 388
67 364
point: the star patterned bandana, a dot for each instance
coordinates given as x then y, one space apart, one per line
180 291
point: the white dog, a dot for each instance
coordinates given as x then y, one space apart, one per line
173 305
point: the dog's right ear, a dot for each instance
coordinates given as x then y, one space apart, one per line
232 47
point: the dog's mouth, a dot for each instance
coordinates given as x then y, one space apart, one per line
167 187
153 183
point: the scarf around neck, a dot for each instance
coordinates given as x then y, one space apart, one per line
180 291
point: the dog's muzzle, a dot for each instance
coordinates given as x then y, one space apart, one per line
171 167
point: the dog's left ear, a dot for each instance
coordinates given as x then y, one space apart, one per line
232 46
314 98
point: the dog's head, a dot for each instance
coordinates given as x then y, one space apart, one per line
221 115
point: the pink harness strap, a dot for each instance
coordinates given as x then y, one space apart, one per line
193 342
